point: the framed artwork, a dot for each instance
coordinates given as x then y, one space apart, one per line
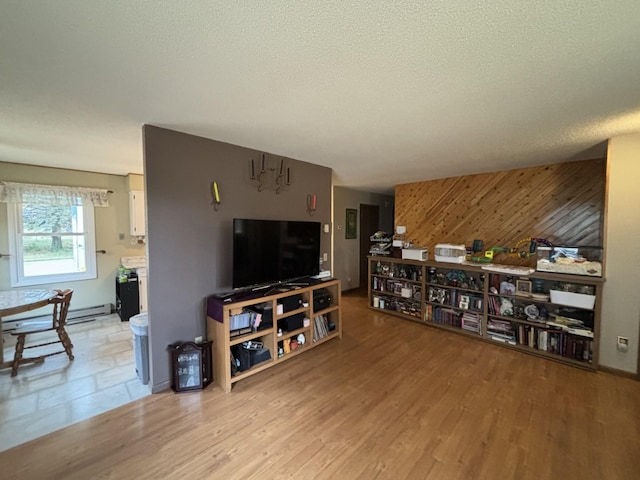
351 224
523 288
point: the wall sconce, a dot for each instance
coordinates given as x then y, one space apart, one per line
312 203
215 196
270 177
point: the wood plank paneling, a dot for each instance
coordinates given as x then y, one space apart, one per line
562 202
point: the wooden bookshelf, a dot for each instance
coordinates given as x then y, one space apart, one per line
283 305
467 299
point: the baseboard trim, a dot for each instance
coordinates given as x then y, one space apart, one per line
79 315
161 387
98 310
619 373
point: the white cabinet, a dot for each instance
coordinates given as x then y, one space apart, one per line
137 216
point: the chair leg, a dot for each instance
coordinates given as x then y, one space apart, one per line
18 355
66 342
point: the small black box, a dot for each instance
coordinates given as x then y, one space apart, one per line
259 356
290 303
245 358
321 299
266 311
294 322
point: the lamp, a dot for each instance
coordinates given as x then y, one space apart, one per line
270 177
312 202
215 196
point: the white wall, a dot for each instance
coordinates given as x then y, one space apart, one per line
621 298
110 221
347 252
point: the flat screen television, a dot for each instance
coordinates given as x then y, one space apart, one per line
272 251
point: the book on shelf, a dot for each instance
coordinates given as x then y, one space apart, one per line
581 332
501 330
572 329
552 340
428 313
447 316
542 340
502 338
240 331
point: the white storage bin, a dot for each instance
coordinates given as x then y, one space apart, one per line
450 253
140 327
415 254
570 299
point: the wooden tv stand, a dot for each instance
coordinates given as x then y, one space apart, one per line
222 311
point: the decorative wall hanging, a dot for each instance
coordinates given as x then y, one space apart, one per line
270 176
312 203
215 196
351 224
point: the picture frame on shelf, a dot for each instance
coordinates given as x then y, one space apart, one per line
464 302
351 224
523 288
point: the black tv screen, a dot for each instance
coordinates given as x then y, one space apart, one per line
271 251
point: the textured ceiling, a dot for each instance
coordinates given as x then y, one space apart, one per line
382 92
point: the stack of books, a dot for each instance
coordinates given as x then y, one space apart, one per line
471 322
501 331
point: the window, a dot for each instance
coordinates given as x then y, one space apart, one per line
51 243
51 232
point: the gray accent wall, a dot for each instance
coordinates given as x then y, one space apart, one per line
347 251
190 243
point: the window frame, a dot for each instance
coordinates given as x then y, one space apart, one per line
16 234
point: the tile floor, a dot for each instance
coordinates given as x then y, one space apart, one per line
54 394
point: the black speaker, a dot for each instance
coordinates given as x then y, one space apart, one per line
294 322
290 303
321 299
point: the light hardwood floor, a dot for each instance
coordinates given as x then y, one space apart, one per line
392 400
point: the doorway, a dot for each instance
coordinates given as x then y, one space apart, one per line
369 224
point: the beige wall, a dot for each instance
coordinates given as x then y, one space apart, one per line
135 182
110 221
621 298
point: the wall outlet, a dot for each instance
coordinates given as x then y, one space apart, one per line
121 236
198 340
325 257
623 344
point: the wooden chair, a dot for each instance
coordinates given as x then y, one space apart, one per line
60 309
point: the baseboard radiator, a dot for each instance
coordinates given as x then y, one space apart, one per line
95 311
78 315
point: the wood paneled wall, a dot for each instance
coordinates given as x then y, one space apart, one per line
563 203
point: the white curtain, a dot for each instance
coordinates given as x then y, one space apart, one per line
52 195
